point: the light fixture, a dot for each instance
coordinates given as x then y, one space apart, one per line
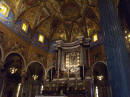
129 35
95 37
100 77
13 70
3 9
41 38
35 77
129 40
125 31
24 27
126 37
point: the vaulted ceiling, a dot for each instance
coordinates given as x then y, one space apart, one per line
57 19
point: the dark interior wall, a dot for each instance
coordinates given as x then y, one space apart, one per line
124 11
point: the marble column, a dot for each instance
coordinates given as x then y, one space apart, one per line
59 61
58 45
116 52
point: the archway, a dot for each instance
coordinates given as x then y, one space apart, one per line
13 66
101 80
33 84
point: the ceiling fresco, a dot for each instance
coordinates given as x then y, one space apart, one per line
56 19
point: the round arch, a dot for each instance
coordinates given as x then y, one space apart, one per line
34 77
43 67
13 66
103 62
50 68
100 65
15 52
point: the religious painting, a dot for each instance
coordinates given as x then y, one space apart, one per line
72 62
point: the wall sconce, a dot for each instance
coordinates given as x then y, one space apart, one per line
35 77
13 70
100 77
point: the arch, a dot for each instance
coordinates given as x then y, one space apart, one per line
15 52
13 66
35 73
101 79
30 63
99 62
35 62
50 68
100 65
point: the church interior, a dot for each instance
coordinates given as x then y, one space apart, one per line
64 48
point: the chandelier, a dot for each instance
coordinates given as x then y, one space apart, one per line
35 77
100 77
13 70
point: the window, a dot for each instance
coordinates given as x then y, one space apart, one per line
95 37
24 27
4 10
41 38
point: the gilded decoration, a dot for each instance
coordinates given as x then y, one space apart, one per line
52 20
